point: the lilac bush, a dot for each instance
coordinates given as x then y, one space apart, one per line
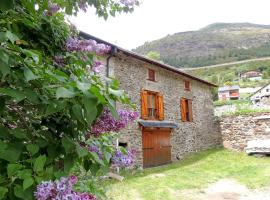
123 160
107 123
90 46
61 190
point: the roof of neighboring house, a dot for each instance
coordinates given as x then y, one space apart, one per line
259 90
251 74
145 59
228 88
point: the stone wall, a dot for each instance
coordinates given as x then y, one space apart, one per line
200 134
238 130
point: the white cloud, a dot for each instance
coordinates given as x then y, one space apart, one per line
154 19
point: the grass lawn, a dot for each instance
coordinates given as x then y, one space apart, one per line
195 172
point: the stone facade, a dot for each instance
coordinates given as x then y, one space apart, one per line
238 130
200 134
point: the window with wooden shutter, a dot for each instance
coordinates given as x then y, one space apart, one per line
144 107
186 110
152 105
160 110
187 85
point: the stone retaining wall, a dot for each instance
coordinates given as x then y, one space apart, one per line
238 130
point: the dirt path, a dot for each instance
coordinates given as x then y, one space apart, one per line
226 64
228 189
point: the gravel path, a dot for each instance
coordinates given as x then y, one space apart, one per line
229 189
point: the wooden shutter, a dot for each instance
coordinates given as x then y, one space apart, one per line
160 106
144 107
183 109
190 110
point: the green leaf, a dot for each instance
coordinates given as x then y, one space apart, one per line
4 63
32 148
12 152
96 158
83 86
68 163
28 182
6 5
117 93
16 94
90 106
3 145
29 75
3 192
68 144
64 93
12 37
35 55
81 151
13 168
77 111
39 163
24 174
107 156
23 194
18 133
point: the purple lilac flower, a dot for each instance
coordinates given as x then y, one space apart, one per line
123 160
128 3
61 190
96 149
52 9
45 190
83 5
58 60
91 46
107 123
97 66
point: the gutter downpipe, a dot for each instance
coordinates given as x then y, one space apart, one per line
112 54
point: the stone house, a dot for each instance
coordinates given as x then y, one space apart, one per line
262 96
251 75
176 109
229 93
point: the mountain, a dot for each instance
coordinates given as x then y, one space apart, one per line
214 44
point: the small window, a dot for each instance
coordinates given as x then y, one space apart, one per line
151 75
187 85
186 110
267 90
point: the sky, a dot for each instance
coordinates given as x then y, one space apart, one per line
154 19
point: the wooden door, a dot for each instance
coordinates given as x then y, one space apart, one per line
156 147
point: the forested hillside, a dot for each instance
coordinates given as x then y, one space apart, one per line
214 44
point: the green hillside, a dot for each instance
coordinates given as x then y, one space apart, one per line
214 44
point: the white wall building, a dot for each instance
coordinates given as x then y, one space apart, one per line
262 96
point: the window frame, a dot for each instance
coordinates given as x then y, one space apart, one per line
187 85
151 75
155 105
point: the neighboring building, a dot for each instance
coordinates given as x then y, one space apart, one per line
177 113
262 96
229 93
252 75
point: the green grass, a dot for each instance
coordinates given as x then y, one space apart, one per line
194 172
231 102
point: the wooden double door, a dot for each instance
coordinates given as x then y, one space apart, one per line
156 147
